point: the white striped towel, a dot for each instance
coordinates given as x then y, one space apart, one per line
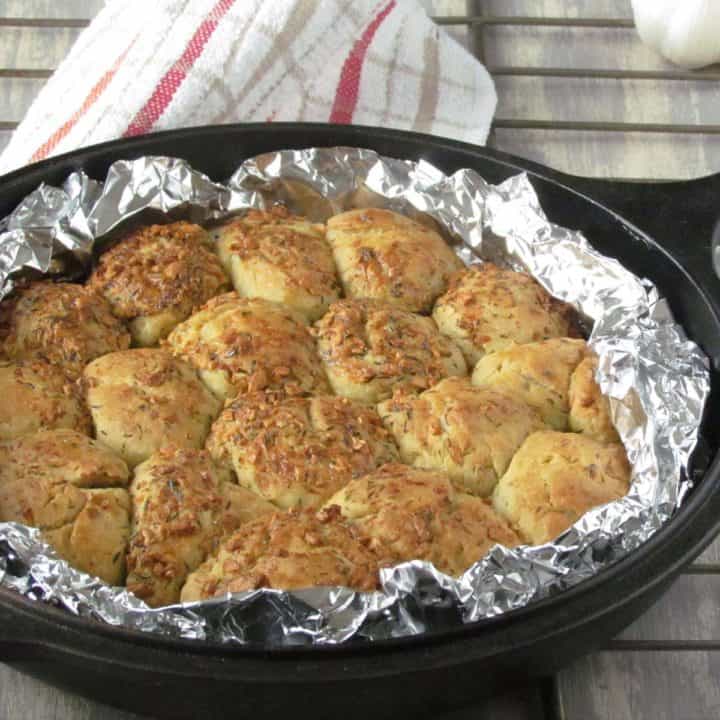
142 66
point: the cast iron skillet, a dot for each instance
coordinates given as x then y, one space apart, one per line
662 231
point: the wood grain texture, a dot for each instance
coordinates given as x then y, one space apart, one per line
35 48
643 686
24 698
688 612
600 154
77 9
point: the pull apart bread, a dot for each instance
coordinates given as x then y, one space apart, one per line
370 350
384 256
155 276
280 257
409 513
359 400
62 323
75 491
298 451
241 345
488 308
183 504
39 396
142 400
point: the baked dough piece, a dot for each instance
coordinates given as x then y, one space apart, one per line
556 477
39 396
62 323
280 257
589 408
370 350
298 452
73 489
243 345
469 432
386 256
409 514
287 551
538 373
488 308
154 277
183 504
143 399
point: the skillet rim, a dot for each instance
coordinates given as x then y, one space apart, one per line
659 570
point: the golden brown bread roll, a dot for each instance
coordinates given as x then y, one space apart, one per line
39 396
298 452
183 504
589 408
386 256
488 308
143 399
73 489
408 514
288 551
538 373
61 323
469 432
281 257
242 345
556 477
370 350
156 275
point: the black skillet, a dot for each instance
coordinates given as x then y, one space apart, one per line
662 231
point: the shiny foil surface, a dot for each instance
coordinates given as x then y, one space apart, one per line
646 364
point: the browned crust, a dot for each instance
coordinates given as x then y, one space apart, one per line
299 451
39 396
364 342
157 268
182 508
384 255
62 323
258 344
491 308
410 513
286 551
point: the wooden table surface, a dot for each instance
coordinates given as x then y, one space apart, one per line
667 664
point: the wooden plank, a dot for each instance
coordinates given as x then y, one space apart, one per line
689 611
5 136
680 102
77 9
711 554
24 698
35 48
642 686
600 154
569 47
557 8
18 94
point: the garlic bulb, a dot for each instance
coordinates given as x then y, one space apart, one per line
687 32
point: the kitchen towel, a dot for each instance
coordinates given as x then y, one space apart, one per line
146 65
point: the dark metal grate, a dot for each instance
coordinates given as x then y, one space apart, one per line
477 22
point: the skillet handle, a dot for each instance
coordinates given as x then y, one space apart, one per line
681 216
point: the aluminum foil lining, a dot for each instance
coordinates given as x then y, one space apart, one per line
646 364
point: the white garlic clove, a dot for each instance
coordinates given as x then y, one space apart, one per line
686 32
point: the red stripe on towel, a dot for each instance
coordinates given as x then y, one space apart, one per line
164 92
348 88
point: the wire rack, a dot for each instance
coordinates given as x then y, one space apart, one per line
482 24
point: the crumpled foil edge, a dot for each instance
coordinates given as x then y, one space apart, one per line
646 363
